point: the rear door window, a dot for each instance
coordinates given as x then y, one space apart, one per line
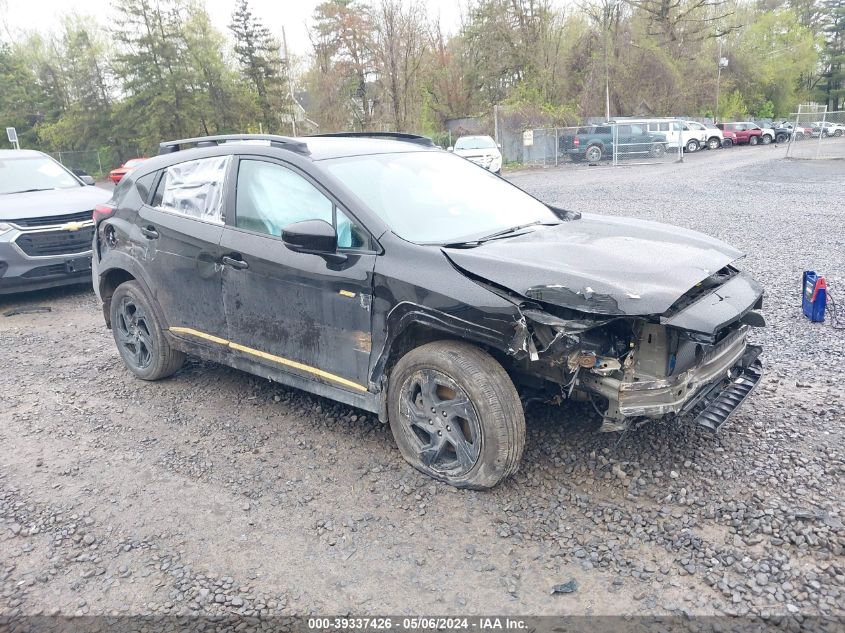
194 189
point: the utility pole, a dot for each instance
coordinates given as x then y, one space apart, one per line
609 11
290 83
723 63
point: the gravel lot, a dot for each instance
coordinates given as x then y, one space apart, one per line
216 492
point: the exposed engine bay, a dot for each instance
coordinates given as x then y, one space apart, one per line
647 367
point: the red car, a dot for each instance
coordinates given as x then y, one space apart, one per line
745 132
116 174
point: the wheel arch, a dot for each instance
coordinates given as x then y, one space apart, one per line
120 271
410 325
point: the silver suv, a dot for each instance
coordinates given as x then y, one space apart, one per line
46 228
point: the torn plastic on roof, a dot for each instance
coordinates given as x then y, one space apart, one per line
195 188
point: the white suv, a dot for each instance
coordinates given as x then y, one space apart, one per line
481 150
711 136
676 132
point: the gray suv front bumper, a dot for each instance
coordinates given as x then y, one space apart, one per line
33 258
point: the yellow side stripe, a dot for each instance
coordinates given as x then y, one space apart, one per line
346 293
271 357
198 334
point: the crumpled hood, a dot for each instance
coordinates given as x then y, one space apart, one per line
599 264
19 206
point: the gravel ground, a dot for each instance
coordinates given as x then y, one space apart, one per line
215 492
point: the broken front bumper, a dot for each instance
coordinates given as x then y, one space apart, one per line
731 367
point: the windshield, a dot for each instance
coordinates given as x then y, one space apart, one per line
436 197
33 174
475 142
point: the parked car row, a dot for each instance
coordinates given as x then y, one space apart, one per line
629 137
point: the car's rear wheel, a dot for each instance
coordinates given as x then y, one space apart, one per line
692 145
782 138
837 133
714 143
456 415
593 153
799 136
139 336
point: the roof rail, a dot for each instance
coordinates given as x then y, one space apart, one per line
285 142
393 136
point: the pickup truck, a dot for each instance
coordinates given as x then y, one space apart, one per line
595 142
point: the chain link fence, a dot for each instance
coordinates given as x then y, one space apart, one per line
817 133
96 162
605 144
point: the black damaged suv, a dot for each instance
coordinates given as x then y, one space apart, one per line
395 277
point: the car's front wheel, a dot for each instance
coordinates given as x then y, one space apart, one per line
692 145
456 414
657 150
714 143
782 138
766 139
753 140
139 336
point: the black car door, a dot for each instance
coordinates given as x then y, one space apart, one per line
180 231
302 313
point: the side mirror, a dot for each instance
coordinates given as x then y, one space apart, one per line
83 176
450 149
310 236
499 145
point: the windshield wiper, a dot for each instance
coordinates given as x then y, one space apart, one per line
30 190
499 234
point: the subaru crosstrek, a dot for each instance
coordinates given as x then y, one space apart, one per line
46 225
390 275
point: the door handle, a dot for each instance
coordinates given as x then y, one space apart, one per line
240 264
149 232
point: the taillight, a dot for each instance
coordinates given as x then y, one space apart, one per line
103 211
576 141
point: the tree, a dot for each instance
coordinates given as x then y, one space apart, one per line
401 44
260 60
342 37
833 21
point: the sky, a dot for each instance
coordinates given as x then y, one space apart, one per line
43 15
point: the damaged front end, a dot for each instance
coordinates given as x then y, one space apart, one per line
694 360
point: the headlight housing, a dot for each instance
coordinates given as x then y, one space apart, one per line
5 228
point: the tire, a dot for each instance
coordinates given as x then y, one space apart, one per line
753 140
593 154
657 150
727 143
781 138
766 139
139 336
482 423
799 136
692 146
837 133
714 143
